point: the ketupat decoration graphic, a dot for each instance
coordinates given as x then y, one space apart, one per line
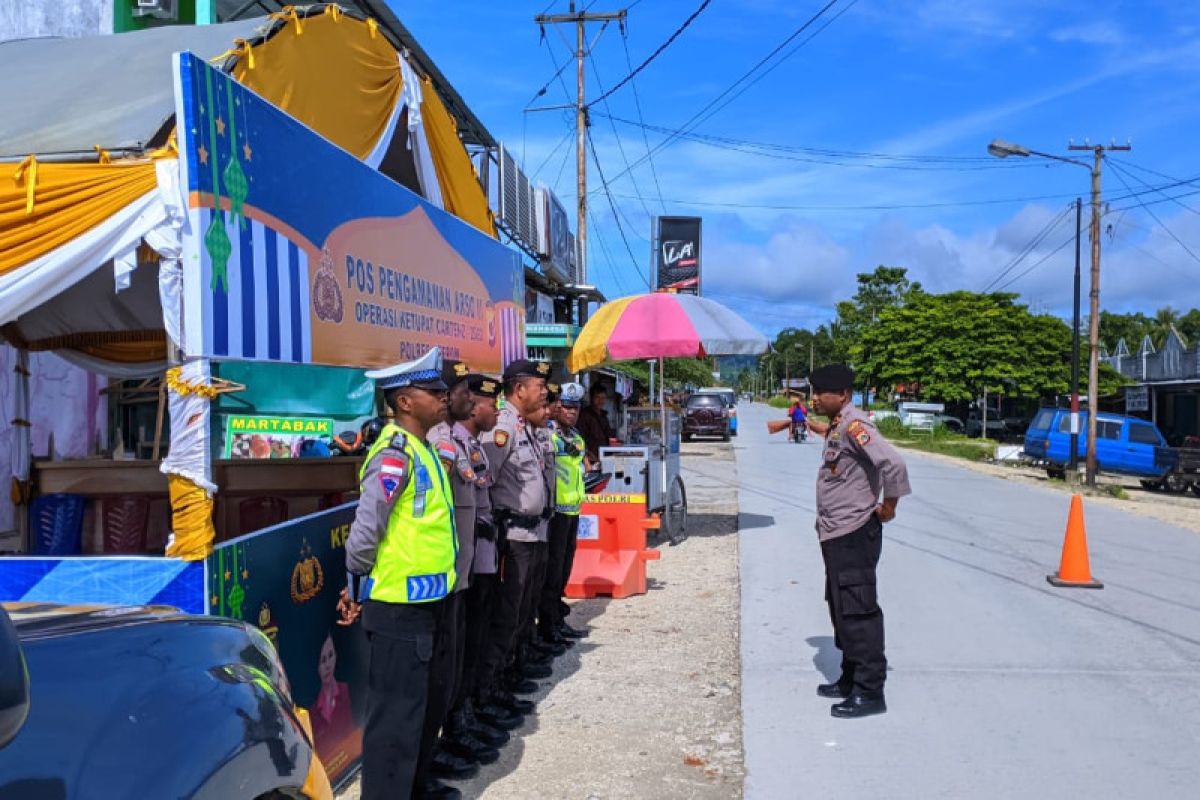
235 178
216 238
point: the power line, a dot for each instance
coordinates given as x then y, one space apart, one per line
617 276
670 39
836 158
1028 248
637 102
551 154
1117 171
617 136
881 207
774 66
696 118
1038 263
1119 165
612 204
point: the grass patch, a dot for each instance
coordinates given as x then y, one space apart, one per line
1113 490
779 401
939 440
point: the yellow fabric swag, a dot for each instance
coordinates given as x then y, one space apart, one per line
68 200
462 193
331 72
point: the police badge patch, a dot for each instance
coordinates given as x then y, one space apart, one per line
447 454
859 432
392 471
501 438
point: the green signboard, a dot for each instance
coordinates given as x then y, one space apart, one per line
272 437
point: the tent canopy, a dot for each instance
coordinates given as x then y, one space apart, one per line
62 96
61 222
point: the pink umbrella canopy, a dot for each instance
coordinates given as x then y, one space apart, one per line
663 325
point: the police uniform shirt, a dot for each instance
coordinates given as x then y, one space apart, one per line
487 561
856 466
518 463
449 443
545 437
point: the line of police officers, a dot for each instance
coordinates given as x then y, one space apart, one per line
458 558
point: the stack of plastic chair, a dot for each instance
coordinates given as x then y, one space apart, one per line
256 513
56 523
124 520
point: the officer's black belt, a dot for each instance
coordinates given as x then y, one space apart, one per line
525 521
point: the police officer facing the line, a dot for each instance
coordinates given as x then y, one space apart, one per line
519 496
857 466
569 455
459 751
400 556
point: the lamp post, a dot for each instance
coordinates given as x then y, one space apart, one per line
1002 149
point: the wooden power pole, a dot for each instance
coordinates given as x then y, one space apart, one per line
580 19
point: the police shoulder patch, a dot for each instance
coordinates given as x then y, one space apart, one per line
393 469
859 432
501 438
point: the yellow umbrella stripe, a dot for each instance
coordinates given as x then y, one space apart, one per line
591 348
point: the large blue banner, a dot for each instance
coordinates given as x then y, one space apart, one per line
286 580
298 252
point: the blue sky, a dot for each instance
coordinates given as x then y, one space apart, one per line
785 236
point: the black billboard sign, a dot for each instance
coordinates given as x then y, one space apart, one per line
679 253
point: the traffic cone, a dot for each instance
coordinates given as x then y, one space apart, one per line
1074 569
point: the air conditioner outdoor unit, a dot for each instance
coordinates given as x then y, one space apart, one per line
159 9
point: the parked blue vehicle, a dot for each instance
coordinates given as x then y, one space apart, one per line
1126 445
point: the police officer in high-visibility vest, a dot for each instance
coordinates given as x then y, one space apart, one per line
569 457
400 556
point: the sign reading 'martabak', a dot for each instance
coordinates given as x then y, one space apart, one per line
298 252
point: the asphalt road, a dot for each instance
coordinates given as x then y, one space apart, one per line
1000 686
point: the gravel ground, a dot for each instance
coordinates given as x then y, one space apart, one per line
650 704
1176 509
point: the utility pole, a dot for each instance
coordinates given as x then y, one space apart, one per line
1073 472
580 20
1098 152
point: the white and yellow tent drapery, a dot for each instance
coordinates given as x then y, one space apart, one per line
69 209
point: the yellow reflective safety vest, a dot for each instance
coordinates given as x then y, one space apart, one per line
415 559
568 467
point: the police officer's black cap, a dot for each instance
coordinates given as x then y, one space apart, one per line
553 391
484 385
527 369
832 378
454 372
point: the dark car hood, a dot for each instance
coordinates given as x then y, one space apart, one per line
39 620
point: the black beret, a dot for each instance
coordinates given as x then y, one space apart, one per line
553 390
527 369
483 385
454 372
833 378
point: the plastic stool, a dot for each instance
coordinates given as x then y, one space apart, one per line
256 513
124 520
56 522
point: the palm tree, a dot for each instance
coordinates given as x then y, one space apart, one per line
1165 319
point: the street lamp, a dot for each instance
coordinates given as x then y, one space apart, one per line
1002 149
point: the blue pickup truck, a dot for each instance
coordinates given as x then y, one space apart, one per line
1127 445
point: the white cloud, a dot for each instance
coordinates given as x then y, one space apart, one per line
798 263
1100 32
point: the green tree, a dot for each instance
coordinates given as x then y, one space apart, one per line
956 345
879 291
1189 326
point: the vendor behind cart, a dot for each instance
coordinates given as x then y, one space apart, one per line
594 425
